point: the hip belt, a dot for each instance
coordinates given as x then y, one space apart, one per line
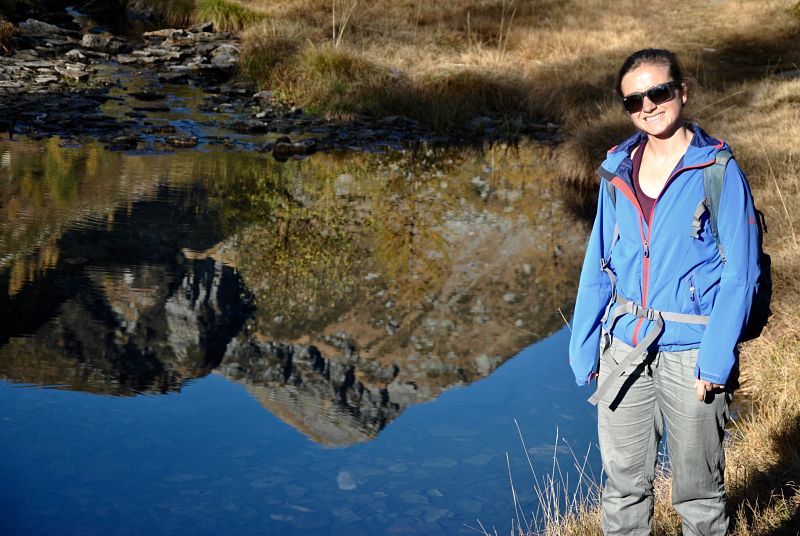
628 307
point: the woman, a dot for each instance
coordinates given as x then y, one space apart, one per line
665 302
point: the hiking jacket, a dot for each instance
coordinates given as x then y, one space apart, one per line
660 265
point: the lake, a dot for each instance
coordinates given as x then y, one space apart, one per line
211 341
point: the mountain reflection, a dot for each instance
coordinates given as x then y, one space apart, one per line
338 290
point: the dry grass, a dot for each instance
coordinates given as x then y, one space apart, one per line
7 34
532 59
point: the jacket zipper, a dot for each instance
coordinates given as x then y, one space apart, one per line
692 291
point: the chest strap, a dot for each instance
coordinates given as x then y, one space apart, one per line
629 307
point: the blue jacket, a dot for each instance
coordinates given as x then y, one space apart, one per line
659 264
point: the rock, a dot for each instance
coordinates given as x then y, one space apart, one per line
37 28
126 59
250 127
283 150
148 96
75 55
263 95
225 61
123 143
96 41
209 37
173 77
181 142
46 79
73 72
225 50
201 27
345 481
164 34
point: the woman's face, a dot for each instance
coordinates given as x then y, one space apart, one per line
659 120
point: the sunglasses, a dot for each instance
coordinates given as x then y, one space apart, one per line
657 94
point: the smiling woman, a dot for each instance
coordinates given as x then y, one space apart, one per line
659 322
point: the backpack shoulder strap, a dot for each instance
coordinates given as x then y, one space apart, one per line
612 192
713 181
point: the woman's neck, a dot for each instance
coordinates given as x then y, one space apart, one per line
665 147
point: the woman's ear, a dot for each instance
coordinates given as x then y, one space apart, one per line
684 93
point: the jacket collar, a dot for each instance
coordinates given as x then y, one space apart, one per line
702 151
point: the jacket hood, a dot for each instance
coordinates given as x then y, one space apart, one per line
702 151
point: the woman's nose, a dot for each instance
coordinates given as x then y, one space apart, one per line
647 104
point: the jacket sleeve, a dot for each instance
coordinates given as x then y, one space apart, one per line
738 233
594 291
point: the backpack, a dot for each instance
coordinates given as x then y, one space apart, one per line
713 181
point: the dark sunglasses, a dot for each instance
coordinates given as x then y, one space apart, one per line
657 94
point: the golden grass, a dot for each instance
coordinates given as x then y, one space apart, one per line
225 15
7 34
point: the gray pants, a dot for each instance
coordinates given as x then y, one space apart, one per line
660 390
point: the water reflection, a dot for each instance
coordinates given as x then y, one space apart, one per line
339 290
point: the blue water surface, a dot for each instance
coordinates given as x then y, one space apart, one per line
211 460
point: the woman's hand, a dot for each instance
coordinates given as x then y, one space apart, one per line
702 387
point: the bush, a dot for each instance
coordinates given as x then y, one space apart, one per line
7 33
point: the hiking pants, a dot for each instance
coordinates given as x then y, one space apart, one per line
659 391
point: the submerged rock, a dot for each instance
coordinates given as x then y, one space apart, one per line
181 141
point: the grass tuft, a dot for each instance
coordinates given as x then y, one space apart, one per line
7 34
225 15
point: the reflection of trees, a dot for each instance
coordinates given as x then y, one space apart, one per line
47 187
297 246
410 201
380 280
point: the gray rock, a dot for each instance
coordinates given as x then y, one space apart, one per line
126 59
263 95
225 50
96 41
181 141
164 34
345 481
46 79
75 55
37 28
75 71
201 27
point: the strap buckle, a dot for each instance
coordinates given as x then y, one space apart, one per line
641 312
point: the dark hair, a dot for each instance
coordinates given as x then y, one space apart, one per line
651 56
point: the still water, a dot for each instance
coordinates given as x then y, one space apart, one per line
210 341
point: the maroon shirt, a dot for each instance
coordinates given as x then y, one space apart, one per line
645 201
